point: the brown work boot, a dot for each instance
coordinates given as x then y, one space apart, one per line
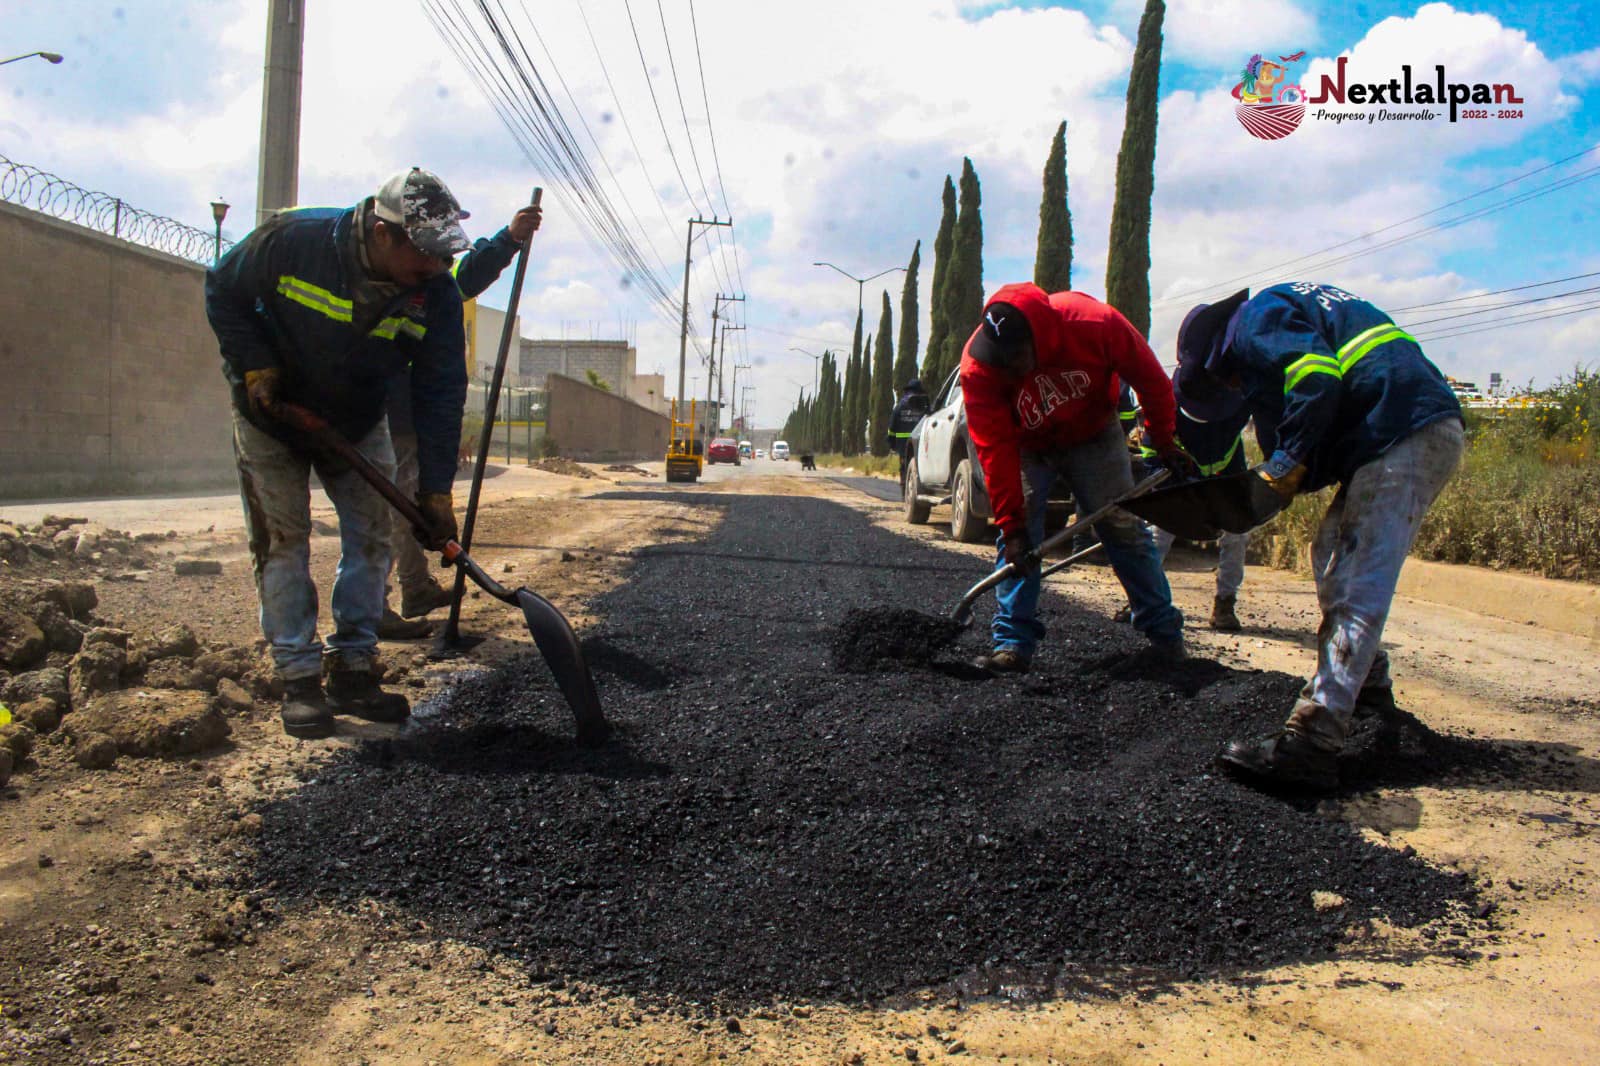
1222 616
356 692
1124 613
1003 661
304 711
392 627
414 603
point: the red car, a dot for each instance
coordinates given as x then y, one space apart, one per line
723 450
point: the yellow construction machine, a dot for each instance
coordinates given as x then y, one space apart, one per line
685 450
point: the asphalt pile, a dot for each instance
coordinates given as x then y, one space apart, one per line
769 825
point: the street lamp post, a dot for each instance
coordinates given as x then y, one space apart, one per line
49 57
219 211
861 283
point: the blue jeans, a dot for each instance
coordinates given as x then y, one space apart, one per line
1097 472
1361 544
275 486
1231 548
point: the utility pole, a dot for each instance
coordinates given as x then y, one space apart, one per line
721 368
714 419
744 407
278 176
683 329
736 368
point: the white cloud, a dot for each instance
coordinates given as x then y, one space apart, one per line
1227 32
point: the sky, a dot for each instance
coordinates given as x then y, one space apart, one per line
826 129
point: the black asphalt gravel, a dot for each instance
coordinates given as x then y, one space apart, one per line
769 824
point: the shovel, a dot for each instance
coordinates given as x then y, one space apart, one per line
1202 510
555 638
962 615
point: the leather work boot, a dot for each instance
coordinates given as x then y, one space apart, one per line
430 597
1169 651
304 711
1003 661
393 627
1222 616
1124 613
1284 759
1379 699
356 693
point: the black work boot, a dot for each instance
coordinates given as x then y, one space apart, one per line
414 603
1222 616
1124 613
1284 759
356 693
304 711
1003 661
1379 698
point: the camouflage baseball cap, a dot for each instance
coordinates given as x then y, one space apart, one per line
419 201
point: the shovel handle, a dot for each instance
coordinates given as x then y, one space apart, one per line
962 615
318 429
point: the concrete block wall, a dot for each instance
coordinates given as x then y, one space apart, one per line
594 425
112 380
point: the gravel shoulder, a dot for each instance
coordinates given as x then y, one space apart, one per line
128 936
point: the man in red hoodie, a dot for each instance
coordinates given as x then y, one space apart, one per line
1041 376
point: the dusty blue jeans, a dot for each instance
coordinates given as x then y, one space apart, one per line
1097 471
275 485
1361 544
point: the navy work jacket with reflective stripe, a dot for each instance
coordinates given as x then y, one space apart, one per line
1332 381
281 298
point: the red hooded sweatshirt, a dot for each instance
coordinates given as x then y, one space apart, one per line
1085 349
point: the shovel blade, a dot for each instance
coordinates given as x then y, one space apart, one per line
560 648
1202 510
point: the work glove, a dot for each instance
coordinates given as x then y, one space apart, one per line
261 387
438 511
525 222
1282 475
1181 463
1018 552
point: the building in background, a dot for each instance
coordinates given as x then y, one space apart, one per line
612 362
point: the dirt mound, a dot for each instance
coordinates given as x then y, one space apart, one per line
869 636
767 825
562 466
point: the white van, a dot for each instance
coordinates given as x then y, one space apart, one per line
780 450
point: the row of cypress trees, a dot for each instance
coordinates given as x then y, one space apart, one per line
836 419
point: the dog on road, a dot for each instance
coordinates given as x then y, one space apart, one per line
808 461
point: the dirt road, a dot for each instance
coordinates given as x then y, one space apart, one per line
154 912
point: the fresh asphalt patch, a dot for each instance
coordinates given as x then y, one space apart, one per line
879 488
770 825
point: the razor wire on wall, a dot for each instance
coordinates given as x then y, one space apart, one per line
41 191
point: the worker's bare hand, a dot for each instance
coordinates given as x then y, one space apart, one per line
525 222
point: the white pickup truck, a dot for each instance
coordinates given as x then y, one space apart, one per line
944 468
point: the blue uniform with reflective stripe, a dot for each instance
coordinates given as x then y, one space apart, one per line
1333 383
282 297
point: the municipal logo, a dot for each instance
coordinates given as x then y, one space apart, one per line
1269 106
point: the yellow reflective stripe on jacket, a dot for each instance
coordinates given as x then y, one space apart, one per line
1308 364
1210 469
1353 352
313 296
387 329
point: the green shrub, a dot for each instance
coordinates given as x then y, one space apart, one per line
866 464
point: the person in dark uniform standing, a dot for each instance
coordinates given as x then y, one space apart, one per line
909 409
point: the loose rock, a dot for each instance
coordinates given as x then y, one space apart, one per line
49 683
95 670
22 642
41 715
95 751
145 722
177 641
232 696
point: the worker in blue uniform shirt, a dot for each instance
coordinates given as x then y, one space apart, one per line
419 592
1340 395
910 409
321 307
1217 449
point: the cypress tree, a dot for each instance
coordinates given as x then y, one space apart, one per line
1128 261
835 406
942 246
905 360
963 285
1052 264
852 385
882 380
864 398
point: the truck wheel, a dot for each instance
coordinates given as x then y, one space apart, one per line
916 511
965 526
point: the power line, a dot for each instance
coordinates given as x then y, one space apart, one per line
716 160
1510 320
1478 213
1495 292
1502 306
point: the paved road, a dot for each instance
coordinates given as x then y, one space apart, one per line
880 488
